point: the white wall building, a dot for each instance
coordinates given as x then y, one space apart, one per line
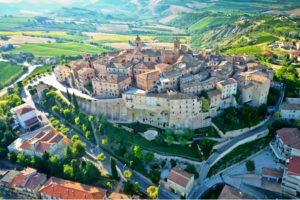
290 109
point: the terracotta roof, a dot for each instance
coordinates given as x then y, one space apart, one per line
294 166
43 141
230 192
290 136
272 172
23 109
31 121
290 106
64 189
29 178
296 53
180 176
117 196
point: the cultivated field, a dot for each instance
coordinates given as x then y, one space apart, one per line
58 49
9 73
20 39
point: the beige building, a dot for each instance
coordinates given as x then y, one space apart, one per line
227 87
254 87
166 110
196 86
147 80
112 85
62 73
169 81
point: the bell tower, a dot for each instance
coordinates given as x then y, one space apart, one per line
176 44
138 43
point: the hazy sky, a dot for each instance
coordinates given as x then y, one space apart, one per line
62 2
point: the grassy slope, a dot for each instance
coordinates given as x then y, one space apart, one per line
58 49
9 73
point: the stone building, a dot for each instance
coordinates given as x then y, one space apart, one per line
62 73
168 110
147 80
112 85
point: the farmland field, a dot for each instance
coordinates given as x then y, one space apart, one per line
9 73
58 49
21 39
251 50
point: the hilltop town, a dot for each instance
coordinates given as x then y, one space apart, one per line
170 88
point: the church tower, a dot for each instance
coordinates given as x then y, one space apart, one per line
176 44
138 43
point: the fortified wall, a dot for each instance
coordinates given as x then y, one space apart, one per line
112 109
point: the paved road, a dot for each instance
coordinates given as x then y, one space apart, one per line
202 182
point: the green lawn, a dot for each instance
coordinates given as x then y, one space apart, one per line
250 50
9 73
123 136
240 153
36 72
207 22
58 49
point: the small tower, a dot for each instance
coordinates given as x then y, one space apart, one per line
176 44
138 43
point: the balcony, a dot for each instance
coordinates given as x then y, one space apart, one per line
277 152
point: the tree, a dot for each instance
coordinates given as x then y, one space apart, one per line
68 172
113 167
55 108
170 139
68 95
104 141
92 173
155 176
149 156
250 165
191 169
75 103
78 149
67 113
152 191
205 104
75 138
137 152
68 154
101 157
277 116
77 120
173 163
91 118
127 174
188 133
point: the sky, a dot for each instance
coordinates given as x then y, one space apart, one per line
61 2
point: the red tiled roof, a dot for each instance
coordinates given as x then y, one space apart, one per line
43 141
290 136
28 178
294 166
272 172
24 109
180 176
296 53
64 189
31 121
229 192
267 53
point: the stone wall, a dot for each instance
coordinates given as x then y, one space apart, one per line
234 133
112 109
243 141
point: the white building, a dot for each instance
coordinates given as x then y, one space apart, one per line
291 177
25 116
38 143
180 181
290 109
286 144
